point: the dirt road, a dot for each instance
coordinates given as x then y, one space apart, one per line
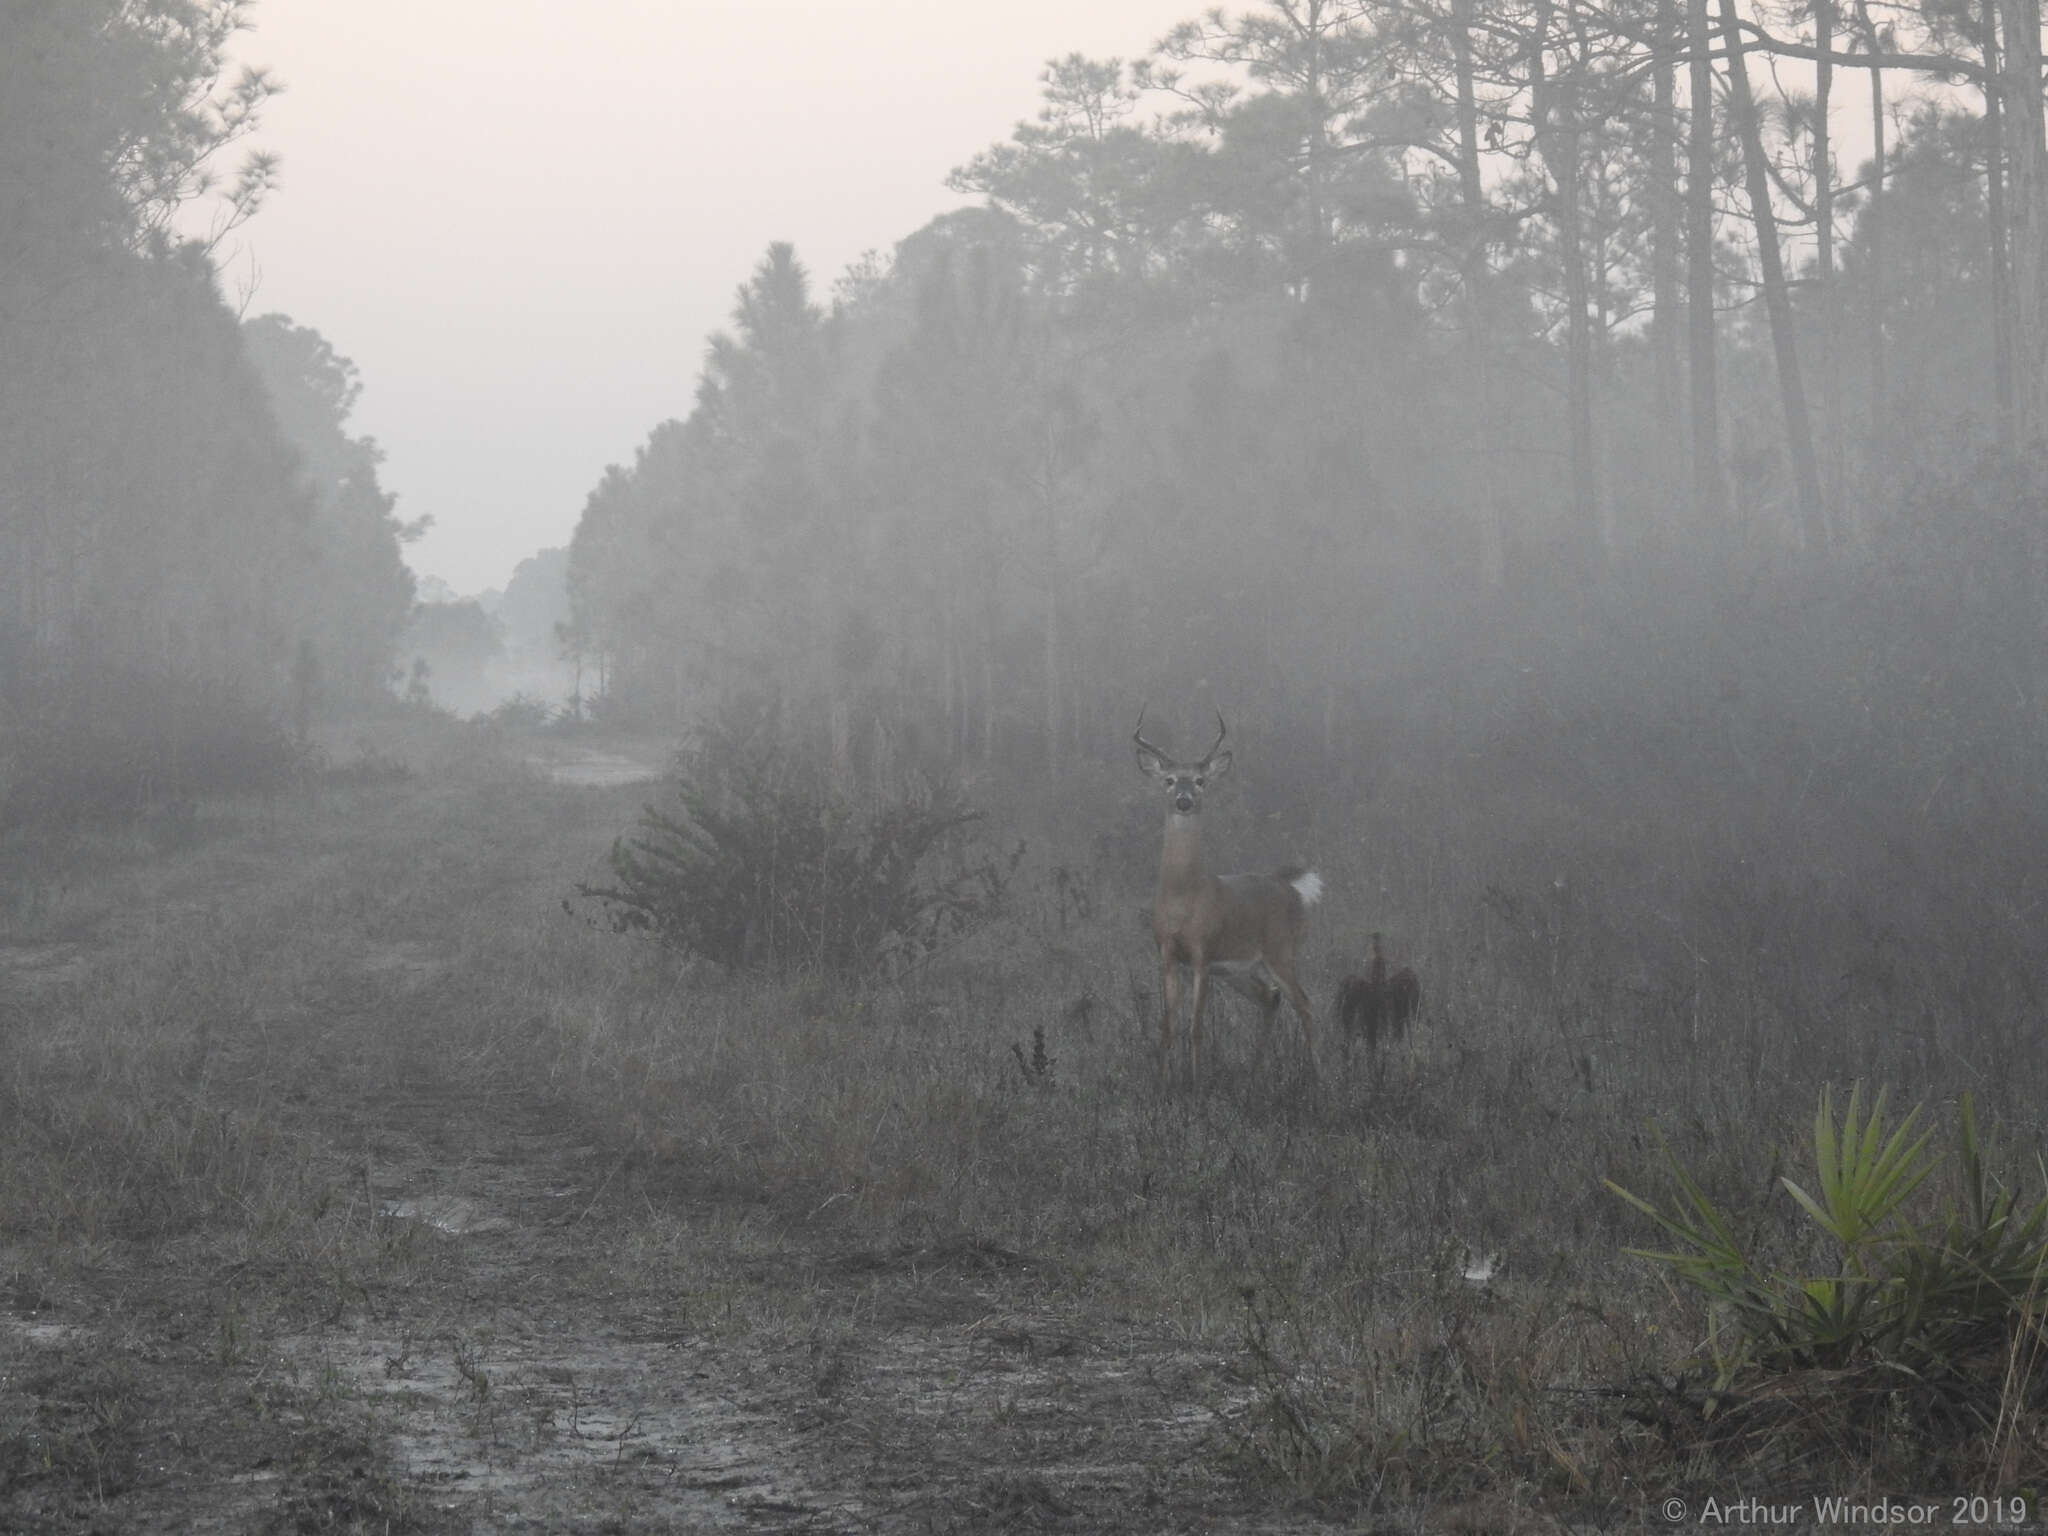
336 1260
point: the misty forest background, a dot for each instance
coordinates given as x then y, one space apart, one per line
1591 453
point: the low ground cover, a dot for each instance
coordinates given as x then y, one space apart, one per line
348 1181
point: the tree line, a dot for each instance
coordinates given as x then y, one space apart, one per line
1304 348
180 496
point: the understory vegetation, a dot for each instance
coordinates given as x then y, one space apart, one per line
95 744
762 864
1932 1318
1415 1266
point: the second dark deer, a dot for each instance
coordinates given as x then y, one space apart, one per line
1379 1004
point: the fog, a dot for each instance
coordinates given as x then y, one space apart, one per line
1426 413
523 219
721 982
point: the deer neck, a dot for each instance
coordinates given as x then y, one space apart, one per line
1180 861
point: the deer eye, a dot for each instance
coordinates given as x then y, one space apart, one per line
1201 782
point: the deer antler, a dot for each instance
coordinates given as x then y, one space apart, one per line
1139 737
1222 730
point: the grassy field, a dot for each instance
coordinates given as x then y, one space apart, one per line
348 1181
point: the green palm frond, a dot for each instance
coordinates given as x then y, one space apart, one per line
1864 1178
1909 1300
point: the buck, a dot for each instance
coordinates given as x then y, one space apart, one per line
1245 929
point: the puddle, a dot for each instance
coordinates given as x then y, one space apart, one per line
407 959
42 967
586 768
523 1424
45 1335
446 1213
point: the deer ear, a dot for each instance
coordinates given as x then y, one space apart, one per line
1219 765
1151 762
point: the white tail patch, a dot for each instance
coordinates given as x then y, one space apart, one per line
1310 886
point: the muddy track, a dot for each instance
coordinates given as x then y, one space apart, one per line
561 1343
484 1317
525 1394
911 1389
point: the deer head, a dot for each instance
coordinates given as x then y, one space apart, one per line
1184 781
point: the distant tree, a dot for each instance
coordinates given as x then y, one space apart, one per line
763 512
1937 268
1260 346
147 507
363 593
948 451
632 600
114 115
1103 206
1299 172
454 645
723 560
536 603
151 505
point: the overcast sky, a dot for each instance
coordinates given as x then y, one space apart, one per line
522 218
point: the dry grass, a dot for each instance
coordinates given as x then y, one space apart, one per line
198 1041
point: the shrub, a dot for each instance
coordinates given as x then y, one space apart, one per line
520 713
1954 1314
99 743
763 865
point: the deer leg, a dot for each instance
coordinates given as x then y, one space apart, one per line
1201 970
1169 993
1262 989
1301 1006
1269 1018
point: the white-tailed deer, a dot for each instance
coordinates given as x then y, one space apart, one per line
1246 929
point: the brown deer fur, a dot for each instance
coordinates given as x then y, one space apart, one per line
1247 929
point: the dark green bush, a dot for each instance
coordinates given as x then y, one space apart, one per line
522 712
1890 1317
760 864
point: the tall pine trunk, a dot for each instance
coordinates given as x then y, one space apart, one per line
1824 254
1666 217
1777 297
1471 185
1473 272
2026 161
1557 139
1874 241
1055 682
1708 493
1994 210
